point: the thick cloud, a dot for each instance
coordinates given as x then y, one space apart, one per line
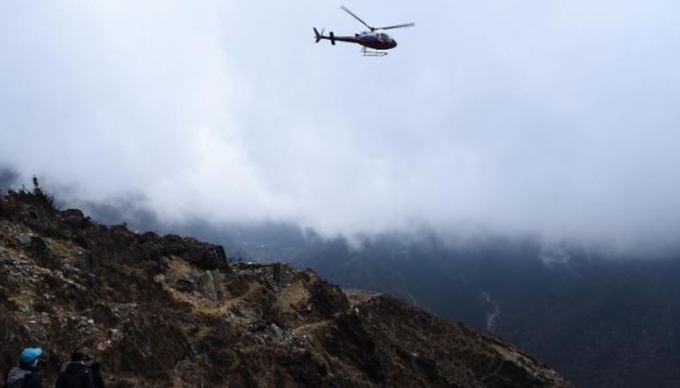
519 117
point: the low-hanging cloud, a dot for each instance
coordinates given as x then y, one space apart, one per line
554 118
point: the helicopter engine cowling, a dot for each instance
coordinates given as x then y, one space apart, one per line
332 36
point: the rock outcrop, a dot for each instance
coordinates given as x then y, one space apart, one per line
170 311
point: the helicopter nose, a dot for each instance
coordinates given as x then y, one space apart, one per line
394 43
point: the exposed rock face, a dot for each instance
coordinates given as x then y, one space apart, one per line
172 311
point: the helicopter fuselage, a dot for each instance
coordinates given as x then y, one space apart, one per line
374 40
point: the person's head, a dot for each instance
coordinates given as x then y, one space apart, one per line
80 356
30 356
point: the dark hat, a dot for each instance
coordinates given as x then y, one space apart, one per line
79 355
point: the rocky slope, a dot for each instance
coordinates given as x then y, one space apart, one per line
162 311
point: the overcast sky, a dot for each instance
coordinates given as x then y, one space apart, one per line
553 117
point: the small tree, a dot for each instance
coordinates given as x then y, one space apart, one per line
40 194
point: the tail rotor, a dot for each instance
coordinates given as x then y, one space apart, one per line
318 36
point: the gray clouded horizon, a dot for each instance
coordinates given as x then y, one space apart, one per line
552 118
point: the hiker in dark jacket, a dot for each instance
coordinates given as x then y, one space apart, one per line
26 374
81 372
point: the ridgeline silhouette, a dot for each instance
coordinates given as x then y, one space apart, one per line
160 311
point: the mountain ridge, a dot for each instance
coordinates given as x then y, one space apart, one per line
162 311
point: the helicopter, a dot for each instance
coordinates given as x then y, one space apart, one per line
368 39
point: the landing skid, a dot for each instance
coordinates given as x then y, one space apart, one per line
372 53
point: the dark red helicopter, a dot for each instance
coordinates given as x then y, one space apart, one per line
368 39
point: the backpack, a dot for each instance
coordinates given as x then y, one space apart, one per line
16 377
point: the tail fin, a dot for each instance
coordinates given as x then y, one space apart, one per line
317 36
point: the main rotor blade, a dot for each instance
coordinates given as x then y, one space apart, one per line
397 26
356 17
